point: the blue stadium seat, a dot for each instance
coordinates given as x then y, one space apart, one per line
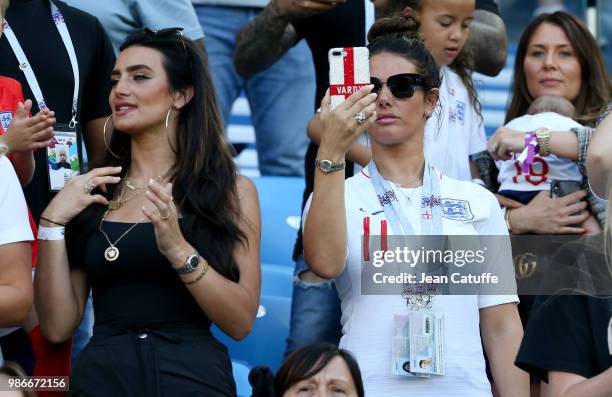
281 201
265 344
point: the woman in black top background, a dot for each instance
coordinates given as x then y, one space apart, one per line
166 235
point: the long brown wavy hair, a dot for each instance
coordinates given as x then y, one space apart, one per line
595 91
204 174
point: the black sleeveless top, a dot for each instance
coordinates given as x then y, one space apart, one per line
139 289
145 315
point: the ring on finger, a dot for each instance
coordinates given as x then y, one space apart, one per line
88 187
93 199
165 217
360 118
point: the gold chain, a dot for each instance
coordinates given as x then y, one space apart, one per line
128 183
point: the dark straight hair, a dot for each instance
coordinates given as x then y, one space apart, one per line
204 174
399 35
307 361
595 91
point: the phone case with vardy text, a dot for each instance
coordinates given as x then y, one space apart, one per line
349 70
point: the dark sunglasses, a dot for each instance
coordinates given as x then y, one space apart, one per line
402 86
168 32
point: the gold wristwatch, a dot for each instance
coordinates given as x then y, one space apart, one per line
543 138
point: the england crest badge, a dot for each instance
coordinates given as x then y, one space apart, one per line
457 210
5 120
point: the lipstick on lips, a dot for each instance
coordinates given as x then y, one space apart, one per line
123 108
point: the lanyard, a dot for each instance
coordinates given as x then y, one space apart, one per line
431 221
25 66
369 17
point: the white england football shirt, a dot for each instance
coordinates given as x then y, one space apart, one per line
455 131
367 320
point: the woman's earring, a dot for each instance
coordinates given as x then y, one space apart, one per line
168 136
168 117
104 137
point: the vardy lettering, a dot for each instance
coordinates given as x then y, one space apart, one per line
345 90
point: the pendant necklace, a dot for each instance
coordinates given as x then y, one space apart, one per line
400 186
112 252
406 196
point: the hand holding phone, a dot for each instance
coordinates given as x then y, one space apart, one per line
563 188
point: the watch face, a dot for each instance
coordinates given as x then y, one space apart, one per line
194 261
325 165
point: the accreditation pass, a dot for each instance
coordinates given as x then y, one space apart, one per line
418 345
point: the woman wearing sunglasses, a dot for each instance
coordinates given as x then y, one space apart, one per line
399 193
165 234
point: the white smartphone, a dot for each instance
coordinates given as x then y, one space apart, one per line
349 70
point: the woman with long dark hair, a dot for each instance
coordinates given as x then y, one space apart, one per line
165 234
556 55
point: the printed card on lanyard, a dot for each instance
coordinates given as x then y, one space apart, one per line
418 340
64 154
418 345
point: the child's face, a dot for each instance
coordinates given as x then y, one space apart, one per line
445 26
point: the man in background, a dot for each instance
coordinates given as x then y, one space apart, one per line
280 97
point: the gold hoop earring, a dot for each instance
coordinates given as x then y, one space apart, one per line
168 116
168 136
104 137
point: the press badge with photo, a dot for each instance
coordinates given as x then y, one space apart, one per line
418 345
63 156
64 152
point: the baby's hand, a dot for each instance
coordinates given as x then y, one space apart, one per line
28 133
